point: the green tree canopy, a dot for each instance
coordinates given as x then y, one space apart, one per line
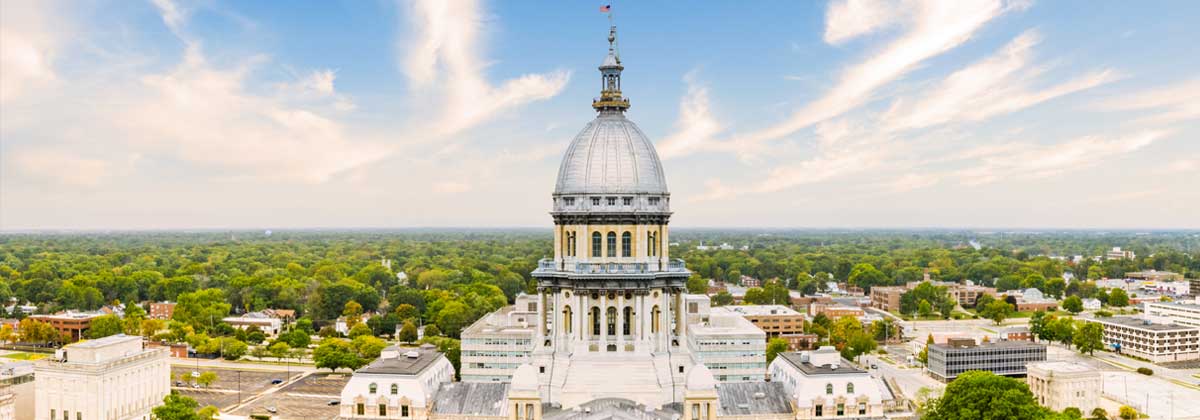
985 396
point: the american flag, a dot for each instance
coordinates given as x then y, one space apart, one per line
606 8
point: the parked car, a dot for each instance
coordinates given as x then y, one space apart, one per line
178 383
334 402
276 381
271 409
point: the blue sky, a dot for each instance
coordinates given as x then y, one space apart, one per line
852 113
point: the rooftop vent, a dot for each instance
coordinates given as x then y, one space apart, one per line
833 366
759 395
412 354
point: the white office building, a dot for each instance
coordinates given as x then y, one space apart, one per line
1152 341
730 346
822 385
1172 312
397 385
112 378
1059 385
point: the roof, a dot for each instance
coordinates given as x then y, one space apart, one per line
1060 367
471 398
807 368
403 365
611 155
751 398
106 341
756 310
1129 321
988 345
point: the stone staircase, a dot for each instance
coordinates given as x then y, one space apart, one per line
592 376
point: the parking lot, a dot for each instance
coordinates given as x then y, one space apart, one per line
224 392
307 398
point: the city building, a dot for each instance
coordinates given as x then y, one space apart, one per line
835 311
967 294
1092 304
1017 333
887 298
1172 313
161 310
1008 358
730 346
268 324
496 344
1031 299
1059 385
111 378
1155 342
775 320
399 384
1117 254
822 385
16 379
801 341
73 325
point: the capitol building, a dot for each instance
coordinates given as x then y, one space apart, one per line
612 332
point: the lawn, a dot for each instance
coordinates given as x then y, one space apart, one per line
25 356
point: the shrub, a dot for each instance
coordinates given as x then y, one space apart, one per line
1145 371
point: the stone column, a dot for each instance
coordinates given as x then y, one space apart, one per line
541 319
581 316
603 320
621 322
664 323
638 316
680 310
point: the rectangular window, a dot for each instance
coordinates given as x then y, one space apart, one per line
841 411
653 201
862 408
612 201
570 201
628 201
819 410
361 409
404 411
382 410
595 201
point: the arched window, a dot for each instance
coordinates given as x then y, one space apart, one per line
627 321
850 388
567 319
829 389
595 321
626 244
395 389
373 387
596 244
612 244
651 244
612 320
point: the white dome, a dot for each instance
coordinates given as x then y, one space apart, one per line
525 378
700 379
611 156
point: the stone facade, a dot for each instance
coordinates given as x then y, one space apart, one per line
112 378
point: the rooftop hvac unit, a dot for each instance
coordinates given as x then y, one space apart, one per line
412 354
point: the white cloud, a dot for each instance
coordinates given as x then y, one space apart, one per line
848 19
64 167
443 56
936 27
696 126
451 187
28 44
993 86
1034 161
1168 104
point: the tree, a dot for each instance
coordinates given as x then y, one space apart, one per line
335 353
946 308
1063 330
232 348
201 309
260 352
452 318
206 378
408 332
865 275
774 347
279 350
6 332
1055 286
1037 324
353 312
697 285
984 300
186 378
997 311
985 396
359 329
924 309
1089 338
923 356
35 331
1099 414
406 312
1118 298
1072 413
297 338
368 347
209 412
722 298
104 326
177 407
1073 304
432 330
1127 413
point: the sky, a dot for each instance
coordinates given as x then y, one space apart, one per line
212 114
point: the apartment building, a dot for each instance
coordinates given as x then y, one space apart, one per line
1148 340
887 298
1008 358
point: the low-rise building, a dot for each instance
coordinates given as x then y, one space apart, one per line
1172 313
1118 254
161 310
73 325
823 385
266 323
1154 275
1092 304
114 377
775 320
835 311
1059 385
1017 333
1148 340
887 298
400 384
968 294
801 341
1008 358
732 348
